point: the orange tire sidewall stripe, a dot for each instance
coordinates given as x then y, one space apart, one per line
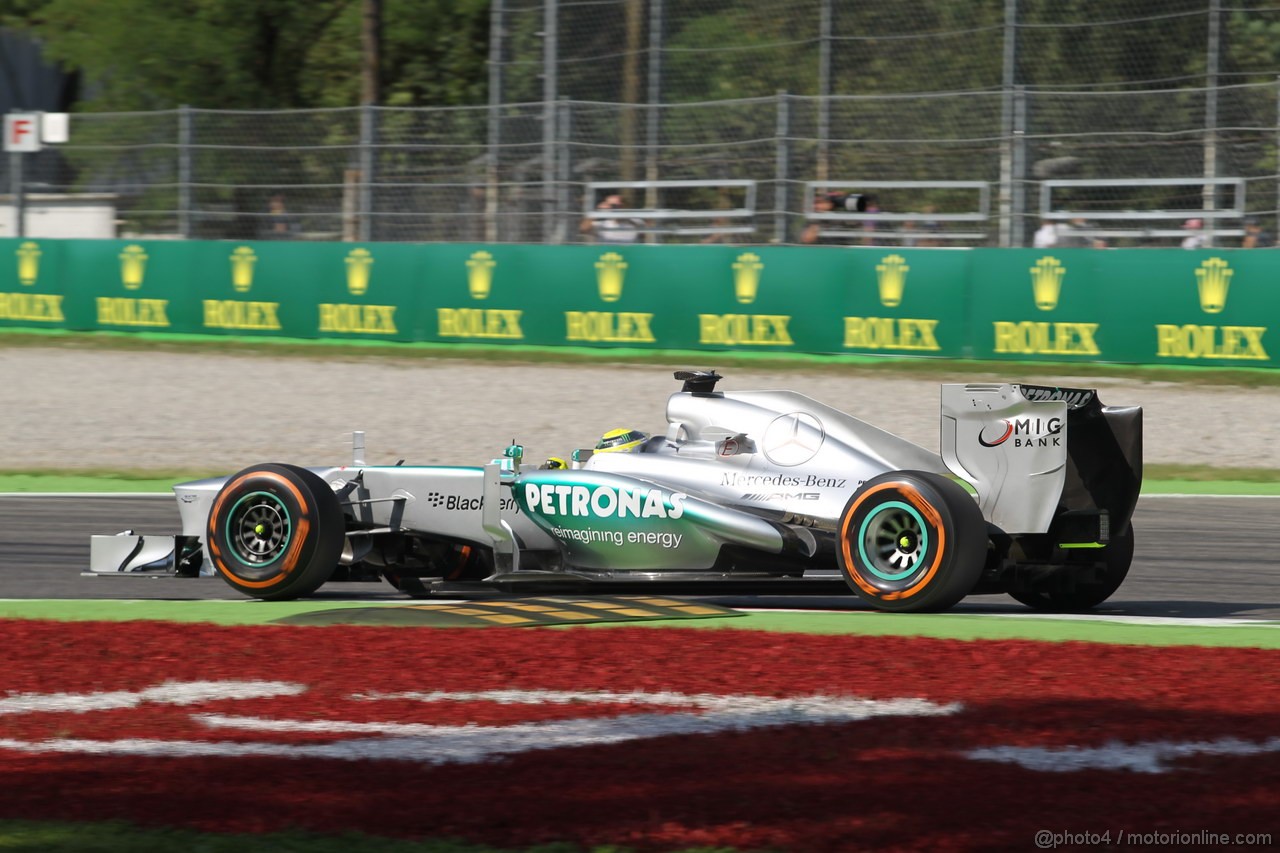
290 559
931 515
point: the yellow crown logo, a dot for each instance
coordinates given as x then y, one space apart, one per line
610 270
480 274
133 266
891 273
1213 278
358 263
1046 282
28 263
746 277
242 261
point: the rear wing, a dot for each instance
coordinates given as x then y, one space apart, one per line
1032 452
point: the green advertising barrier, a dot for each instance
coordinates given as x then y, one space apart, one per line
1029 303
1137 306
32 293
1143 306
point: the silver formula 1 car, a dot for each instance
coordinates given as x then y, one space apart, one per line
764 490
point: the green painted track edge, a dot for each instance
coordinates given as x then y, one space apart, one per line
963 626
955 626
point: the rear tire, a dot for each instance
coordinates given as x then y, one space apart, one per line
1063 592
275 532
911 541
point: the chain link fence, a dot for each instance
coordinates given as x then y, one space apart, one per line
1111 105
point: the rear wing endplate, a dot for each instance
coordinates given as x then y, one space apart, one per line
1011 449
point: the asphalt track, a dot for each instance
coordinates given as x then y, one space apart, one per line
1195 558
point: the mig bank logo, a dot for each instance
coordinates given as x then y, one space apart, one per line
1046 282
358 263
133 267
1212 280
480 274
28 263
610 272
1024 432
242 262
746 277
891 276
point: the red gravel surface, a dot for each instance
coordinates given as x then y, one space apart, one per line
349 728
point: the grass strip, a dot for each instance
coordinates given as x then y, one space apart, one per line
237 612
1158 479
1209 487
957 626
118 837
964 626
105 481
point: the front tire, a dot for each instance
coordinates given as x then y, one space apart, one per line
912 541
275 532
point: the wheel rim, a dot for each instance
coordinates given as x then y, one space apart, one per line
259 528
892 541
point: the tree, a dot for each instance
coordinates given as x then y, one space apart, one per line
258 54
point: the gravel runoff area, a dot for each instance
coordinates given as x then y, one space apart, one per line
86 408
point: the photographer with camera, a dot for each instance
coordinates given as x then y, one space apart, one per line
834 202
612 229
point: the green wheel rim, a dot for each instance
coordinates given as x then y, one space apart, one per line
893 540
259 529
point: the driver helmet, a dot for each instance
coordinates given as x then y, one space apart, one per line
622 439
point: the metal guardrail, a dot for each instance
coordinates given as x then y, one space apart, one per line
1211 216
656 213
867 222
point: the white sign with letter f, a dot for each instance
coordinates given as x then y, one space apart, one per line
22 132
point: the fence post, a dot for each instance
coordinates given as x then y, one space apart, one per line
19 194
1018 184
495 121
824 91
564 129
655 99
1210 192
1007 120
367 135
550 47
184 171
781 169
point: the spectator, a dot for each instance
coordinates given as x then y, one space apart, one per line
812 233
931 227
909 234
1072 235
281 225
1254 236
1046 236
869 225
1195 238
612 229
721 236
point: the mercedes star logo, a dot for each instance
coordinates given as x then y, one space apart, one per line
793 439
